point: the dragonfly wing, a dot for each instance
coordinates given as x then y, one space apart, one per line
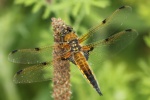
31 56
108 47
109 26
35 73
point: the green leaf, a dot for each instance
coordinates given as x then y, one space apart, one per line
46 13
147 40
102 4
19 1
29 2
87 8
37 7
76 9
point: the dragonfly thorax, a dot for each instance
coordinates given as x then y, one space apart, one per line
74 45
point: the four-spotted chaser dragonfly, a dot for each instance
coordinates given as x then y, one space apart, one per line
102 40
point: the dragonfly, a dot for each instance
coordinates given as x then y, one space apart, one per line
101 41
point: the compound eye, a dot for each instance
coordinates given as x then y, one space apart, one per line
69 29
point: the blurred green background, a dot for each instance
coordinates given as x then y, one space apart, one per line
27 24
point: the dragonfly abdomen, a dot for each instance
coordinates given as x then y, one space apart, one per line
81 62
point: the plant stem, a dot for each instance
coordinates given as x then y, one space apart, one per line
61 78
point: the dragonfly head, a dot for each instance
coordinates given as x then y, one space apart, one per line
66 30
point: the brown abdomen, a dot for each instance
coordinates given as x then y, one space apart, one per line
81 62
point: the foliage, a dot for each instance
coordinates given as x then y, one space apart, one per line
147 40
144 83
25 24
58 6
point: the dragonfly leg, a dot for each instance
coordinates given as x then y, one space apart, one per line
68 56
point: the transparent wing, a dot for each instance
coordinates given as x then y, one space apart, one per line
35 73
31 56
109 26
107 47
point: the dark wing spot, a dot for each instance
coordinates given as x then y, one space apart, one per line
19 71
44 63
107 39
37 49
128 30
14 51
91 48
122 7
104 21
